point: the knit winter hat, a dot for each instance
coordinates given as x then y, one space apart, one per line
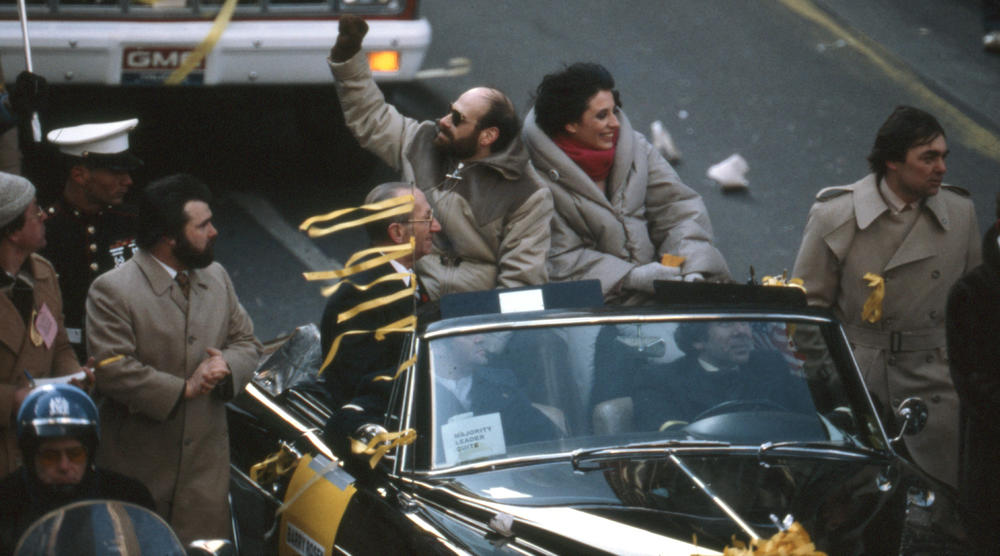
16 194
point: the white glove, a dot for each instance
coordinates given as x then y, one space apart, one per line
641 278
694 277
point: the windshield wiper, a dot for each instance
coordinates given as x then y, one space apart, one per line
639 450
814 446
670 448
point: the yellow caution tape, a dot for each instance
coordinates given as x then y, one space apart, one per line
872 310
207 44
402 367
382 443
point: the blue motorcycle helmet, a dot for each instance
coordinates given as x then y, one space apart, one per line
56 411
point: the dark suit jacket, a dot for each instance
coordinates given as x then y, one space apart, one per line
361 354
497 391
683 389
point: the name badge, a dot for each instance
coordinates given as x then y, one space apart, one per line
75 335
473 438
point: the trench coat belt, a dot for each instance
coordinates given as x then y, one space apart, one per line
897 340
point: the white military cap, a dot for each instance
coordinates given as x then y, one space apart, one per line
104 145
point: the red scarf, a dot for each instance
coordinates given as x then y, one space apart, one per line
595 163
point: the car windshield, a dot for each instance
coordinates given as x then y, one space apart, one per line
553 389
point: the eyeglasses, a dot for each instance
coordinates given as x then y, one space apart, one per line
76 455
428 220
457 118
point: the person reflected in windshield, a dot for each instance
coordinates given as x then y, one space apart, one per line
719 365
464 382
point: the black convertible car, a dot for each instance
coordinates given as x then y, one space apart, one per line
530 426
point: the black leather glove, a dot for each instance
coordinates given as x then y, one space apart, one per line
352 31
30 94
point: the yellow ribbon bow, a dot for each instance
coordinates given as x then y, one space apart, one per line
872 310
382 443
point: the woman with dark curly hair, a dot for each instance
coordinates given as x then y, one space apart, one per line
620 207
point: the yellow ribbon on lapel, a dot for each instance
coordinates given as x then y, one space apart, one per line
872 310
382 443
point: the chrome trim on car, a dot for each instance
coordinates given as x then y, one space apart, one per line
307 432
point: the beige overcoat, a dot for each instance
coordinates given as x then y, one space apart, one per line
494 212
178 448
851 231
18 352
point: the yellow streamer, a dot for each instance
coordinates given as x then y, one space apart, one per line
382 443
405 324
320 232
327 292
402 367
388 203
394 252
781 281
207 44
380 250
872 310
377 302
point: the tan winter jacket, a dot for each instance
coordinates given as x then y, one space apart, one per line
650 212
494 219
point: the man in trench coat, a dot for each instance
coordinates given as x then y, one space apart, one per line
882 253
185 349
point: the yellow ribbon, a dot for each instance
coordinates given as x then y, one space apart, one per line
393 252
377 302
783 282
402 367
207 44
382 443
327 292
872 310
406 324
389 207
274 466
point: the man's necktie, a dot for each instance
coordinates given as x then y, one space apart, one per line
185 283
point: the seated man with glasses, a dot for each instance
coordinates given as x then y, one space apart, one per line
58 433
471 164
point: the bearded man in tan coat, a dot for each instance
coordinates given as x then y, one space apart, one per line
179 345
882 254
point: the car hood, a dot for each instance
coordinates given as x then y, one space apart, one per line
847 504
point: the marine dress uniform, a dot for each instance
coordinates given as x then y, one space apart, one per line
82 245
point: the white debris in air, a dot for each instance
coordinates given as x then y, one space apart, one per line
730 173
663 142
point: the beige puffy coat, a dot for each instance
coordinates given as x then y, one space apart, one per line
494 220
650 212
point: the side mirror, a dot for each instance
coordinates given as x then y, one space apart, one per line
913 413
212 547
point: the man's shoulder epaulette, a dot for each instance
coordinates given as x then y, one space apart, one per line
956 189
833 192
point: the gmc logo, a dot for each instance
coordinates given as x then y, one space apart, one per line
152 58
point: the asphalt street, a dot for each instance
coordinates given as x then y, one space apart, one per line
797 87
